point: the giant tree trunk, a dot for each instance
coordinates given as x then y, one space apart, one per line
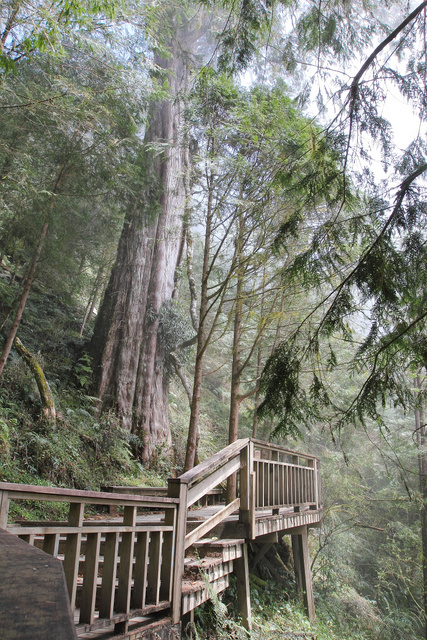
128 355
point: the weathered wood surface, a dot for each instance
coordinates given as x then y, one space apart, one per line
33 594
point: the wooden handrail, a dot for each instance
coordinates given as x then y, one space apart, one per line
259 444
58 494
211 522
207 467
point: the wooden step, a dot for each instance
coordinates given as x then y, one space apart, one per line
225 548
211 569
194 594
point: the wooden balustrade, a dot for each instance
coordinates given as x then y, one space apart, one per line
114 570
133 565
285 478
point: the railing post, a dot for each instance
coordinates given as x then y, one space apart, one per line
317 485
178 489
72 550
247 485
243 589
4 508
90 574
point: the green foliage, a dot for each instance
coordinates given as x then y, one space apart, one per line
83 371
34 28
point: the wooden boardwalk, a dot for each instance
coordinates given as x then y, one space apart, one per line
141 573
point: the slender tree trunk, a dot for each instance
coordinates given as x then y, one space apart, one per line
30 277
127 353
236 366
422 467
90 307
193 428
23 301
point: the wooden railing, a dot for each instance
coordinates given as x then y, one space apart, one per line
285 478
133 566
270 477
128 562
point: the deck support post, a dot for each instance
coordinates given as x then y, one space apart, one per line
188 625
243 590
303 570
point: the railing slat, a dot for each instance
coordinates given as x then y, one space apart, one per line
122 603
154 565
51 544
90 574
140 571
109 571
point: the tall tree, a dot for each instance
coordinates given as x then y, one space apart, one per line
127 347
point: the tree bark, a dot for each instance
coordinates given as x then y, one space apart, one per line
127 353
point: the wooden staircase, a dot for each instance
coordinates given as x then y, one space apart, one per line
207 569
137 575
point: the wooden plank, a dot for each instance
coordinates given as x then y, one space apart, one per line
122 603
138 491
90 574
72 551
211 522
194 599
140 571
109 571
33 594
64 530
154 565
58 494
221 474
261 446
